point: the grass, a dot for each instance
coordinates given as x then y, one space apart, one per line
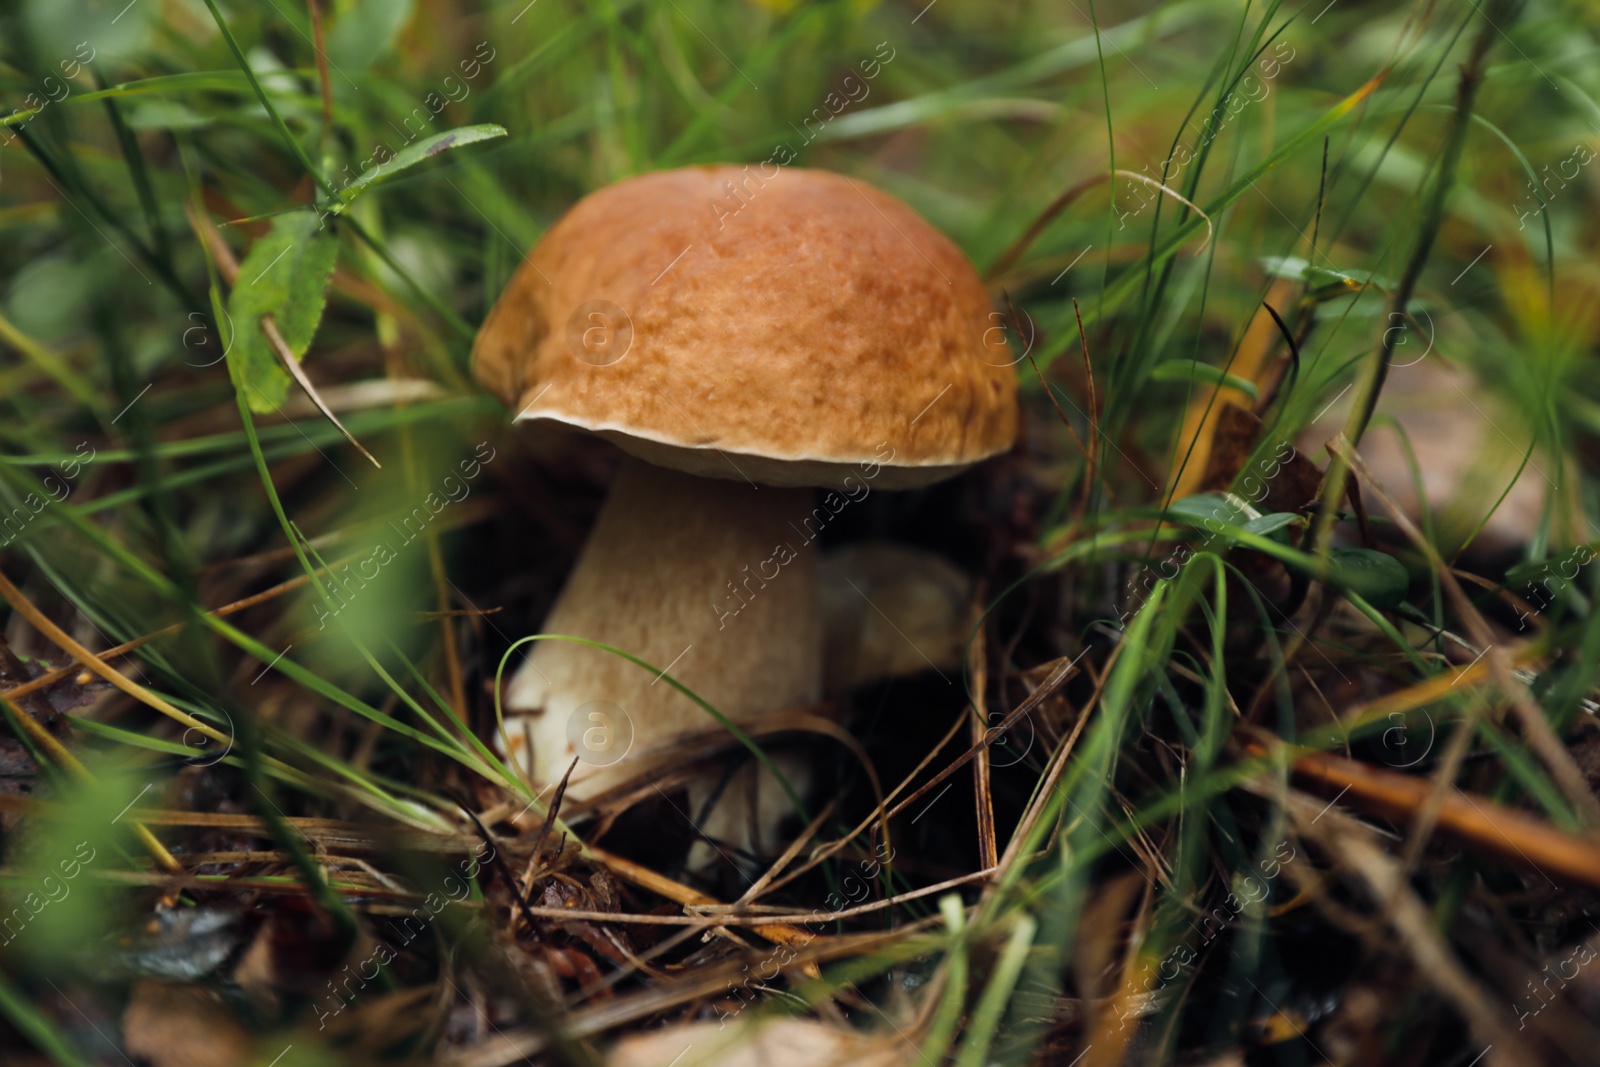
1200 682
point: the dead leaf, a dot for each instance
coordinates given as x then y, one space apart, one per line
783 1043
1291 482
171 1025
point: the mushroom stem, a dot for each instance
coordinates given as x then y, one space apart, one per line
713 580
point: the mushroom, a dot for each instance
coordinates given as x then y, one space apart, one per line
890 611
743 339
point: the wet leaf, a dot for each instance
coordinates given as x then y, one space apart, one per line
411 155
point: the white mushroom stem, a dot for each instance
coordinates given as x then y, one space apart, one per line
713 580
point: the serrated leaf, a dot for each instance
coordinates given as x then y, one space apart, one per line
310 267
1184 370
1378 578
411 155
285 275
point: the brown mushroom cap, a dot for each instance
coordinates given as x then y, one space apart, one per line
785 328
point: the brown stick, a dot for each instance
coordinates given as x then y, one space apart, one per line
1411 921
1516 837
978 668
1536 728
314 7
48 679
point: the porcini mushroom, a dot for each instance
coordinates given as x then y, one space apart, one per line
743 339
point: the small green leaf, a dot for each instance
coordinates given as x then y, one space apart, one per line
1213 511
363 32
285 275
1557 572
1292 267
1322 278
165 115
1352 304
1326 278
1376 577
411 155
1267 525
1196 509
1184 370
